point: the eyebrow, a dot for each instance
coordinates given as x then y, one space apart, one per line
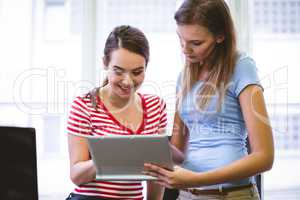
135 69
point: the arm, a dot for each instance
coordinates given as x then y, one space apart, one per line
260 137
179 139
82 169
154 191
259 160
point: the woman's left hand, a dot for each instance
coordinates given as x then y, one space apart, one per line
179 178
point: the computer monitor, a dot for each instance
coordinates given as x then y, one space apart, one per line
18 168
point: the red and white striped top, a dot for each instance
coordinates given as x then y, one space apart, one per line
84 119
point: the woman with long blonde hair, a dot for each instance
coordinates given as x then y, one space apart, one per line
220 103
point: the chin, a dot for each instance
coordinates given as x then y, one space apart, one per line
192 60
124 97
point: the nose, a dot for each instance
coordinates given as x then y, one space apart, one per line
127 80
186 49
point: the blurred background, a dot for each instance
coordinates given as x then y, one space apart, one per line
51 51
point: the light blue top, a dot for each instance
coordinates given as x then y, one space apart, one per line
218 138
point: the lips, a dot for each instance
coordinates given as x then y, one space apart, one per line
125 90
190 57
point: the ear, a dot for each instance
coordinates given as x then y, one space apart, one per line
220 39
105 62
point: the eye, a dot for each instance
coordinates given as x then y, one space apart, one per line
138 72
196 43
117 71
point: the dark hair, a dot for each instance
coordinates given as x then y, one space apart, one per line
127 37
215 16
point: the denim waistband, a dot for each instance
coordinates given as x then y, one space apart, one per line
74 196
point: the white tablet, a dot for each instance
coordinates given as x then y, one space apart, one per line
123 157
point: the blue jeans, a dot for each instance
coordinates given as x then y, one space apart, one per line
73 196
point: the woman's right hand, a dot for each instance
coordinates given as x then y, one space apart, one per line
178 178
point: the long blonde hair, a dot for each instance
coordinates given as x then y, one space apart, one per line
215 16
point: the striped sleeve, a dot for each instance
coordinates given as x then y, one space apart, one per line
163 115
79 118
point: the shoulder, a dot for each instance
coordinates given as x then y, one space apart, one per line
245 69
82 103
245 74
244 65
152 99
84 98
149 97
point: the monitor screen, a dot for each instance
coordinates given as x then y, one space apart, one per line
18 168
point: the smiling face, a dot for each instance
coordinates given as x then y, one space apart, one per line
197 42
126 72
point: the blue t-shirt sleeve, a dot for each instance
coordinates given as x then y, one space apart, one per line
245 74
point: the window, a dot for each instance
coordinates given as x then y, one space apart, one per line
41 52
52 50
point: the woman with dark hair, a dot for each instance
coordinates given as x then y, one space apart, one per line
220 103
105 111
